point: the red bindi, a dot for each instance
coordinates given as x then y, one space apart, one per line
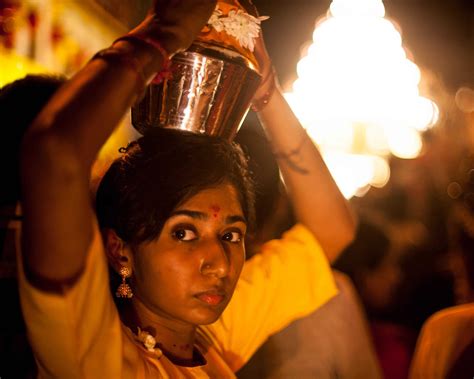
215 209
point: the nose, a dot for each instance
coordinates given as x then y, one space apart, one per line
216 259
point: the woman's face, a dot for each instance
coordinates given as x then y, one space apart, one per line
189 273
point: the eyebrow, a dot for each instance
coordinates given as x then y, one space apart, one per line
204 216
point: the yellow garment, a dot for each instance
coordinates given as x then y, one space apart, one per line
78 334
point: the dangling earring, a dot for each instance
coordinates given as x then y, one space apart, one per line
124 290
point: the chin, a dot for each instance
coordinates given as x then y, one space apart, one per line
207 316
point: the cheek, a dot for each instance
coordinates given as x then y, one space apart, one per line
148 277
165 271
167 284
238 259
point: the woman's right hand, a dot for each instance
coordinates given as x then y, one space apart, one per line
175 23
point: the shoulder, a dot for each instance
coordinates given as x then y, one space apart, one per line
445 320
296 239
442 338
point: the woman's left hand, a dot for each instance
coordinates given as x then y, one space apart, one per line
175 24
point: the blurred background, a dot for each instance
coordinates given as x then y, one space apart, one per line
383 76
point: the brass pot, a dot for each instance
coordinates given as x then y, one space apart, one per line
209 91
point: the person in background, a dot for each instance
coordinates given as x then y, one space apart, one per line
376 275
20 103
333 341
445 346
173 211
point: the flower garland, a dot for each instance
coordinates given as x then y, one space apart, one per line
148 342
244 27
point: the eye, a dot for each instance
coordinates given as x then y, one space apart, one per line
233 237
184 234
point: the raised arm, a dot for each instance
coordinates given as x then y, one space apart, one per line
317 201
61 145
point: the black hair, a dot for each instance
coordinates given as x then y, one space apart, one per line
265 173
161 170
368 250
20 103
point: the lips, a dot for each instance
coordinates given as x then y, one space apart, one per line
211 297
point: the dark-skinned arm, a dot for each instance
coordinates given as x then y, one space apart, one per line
316 199
62 143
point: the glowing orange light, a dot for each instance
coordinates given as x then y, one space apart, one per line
357 94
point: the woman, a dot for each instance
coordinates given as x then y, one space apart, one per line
180 253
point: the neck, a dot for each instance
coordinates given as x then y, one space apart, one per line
175 339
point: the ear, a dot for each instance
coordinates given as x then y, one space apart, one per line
118 253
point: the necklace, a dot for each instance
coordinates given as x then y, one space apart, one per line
148 342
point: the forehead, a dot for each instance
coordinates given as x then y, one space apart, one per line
223 197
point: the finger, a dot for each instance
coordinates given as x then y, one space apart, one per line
262 56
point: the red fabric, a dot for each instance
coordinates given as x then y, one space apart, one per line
394 345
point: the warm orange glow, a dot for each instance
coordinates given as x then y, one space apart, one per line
357 93
14 66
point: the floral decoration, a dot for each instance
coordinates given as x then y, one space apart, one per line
244 27
148 341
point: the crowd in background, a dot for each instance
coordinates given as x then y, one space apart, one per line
412 257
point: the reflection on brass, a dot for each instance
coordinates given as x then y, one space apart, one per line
209 91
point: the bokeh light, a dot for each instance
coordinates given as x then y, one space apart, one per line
357 95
